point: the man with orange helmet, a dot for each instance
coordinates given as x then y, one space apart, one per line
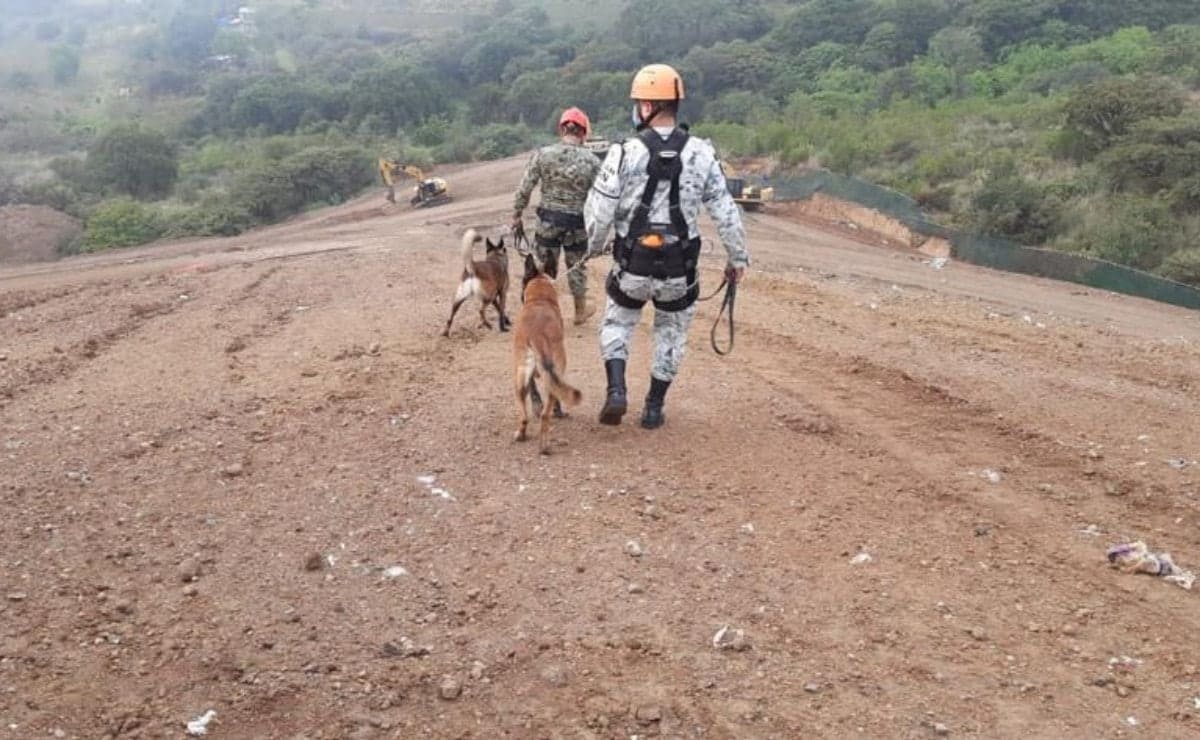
566 171
651 188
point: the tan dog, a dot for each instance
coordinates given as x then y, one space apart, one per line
538 351
487 280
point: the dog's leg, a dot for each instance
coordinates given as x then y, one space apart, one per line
524 366
544 428
501 301
522 408
453 310
535 396
483 321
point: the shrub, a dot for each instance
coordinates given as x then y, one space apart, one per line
135 161
1183 265
122 222
1009 205
64 64
269 192
1138 232
221 218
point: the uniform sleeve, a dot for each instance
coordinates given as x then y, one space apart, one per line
601 206
722 208
529 180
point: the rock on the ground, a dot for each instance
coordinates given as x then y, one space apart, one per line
450 688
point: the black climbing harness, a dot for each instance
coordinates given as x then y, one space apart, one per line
659 250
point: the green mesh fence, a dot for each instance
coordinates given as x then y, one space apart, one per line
989 251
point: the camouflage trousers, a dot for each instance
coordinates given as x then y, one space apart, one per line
670 327
549 240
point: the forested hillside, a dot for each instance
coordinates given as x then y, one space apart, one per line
1068 123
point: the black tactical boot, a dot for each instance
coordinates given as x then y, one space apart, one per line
652 415
615 404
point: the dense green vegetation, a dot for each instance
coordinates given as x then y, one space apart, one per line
1066 123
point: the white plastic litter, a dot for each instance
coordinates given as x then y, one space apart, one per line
394 571
199 726
861 558
939 262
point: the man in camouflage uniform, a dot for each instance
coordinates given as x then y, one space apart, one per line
651 187
566 171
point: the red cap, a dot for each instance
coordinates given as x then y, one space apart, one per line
577 117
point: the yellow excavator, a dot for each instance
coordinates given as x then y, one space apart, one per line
429 191
748 195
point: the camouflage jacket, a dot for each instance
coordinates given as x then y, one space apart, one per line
565 171
618 189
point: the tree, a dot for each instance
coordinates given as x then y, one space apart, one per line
669 28
916 22
132 160
839 21
189 36
64 64
1006 22
401 92
1100 113
959 50
882 48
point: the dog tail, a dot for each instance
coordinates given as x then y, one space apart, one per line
568 394
468 242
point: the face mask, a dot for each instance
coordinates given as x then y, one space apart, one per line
636 117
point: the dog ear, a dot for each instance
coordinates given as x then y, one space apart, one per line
532 268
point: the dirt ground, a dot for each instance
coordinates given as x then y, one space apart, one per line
33 233
248 475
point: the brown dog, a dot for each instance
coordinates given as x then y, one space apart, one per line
487 280
538 351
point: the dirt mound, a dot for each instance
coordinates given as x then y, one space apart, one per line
880 228
33 233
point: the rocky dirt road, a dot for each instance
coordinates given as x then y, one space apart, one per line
248 475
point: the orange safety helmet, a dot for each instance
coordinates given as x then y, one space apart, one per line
577 117
657 82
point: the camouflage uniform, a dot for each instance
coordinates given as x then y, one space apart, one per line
566 172
616 192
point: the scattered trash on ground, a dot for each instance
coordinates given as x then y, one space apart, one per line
199 726
1091 530
861 558
1178 463
728 638
1124 663
394 571
1135 557
429 482
939 263
991 476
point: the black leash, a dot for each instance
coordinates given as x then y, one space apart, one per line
520 238
730 289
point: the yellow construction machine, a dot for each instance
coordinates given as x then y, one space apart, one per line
429 191
750 196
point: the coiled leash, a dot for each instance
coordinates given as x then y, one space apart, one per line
730 288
